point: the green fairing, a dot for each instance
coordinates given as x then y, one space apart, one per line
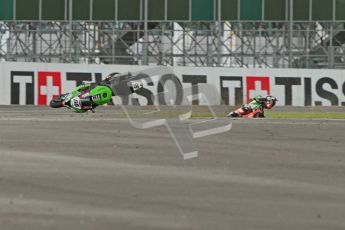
81 88
254 104
101 95
77 91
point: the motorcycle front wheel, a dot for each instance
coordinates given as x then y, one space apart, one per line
233 114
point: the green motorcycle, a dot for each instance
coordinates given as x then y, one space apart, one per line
87 97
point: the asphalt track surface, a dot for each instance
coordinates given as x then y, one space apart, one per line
60 170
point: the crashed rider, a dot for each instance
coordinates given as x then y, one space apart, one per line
259 101
88 96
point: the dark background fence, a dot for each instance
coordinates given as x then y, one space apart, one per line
173 10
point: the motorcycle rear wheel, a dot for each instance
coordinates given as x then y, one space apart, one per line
259 115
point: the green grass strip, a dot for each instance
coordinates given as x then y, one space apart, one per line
305 115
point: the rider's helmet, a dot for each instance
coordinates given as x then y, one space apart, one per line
271 98
270 102
58 102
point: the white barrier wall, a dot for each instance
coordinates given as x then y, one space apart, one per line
36 83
